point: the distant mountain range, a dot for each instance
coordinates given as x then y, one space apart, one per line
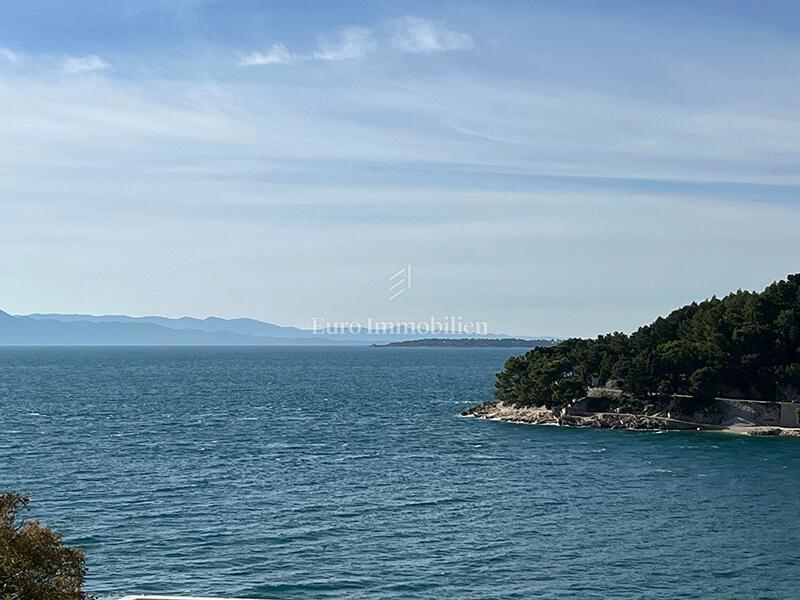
123 330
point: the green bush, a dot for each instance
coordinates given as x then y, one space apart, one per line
34 565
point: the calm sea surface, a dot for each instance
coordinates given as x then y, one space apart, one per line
346 473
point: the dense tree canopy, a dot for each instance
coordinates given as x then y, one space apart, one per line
34 565
746 344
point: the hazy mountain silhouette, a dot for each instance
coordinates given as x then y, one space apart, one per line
123 330
242 326
51 331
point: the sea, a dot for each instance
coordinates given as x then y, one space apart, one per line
322 473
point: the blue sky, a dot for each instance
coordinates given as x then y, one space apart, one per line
563 168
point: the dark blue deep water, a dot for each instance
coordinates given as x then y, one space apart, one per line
346 473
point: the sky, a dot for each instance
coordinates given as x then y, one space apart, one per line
549 168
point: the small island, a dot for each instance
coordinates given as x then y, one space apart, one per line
471 343
729 364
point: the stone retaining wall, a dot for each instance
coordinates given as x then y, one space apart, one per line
790 414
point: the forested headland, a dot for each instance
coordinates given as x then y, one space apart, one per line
745 345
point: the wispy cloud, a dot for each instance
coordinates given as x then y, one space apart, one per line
233 171
416 35
350 43
10 55
553 152
278 54
409 34
84 64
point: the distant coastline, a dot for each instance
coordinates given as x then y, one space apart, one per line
471 343
55 329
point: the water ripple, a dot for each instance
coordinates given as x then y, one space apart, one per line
344 473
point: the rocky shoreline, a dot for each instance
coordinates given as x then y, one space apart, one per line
539 415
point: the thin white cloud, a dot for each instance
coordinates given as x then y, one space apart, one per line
351 42
84 64
278 54
10 55
274 153
416 35
409 34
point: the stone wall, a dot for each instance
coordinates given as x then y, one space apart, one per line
790 414
753 411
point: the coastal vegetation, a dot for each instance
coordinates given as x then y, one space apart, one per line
746 344
34 564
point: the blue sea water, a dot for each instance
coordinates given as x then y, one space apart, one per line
346 473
